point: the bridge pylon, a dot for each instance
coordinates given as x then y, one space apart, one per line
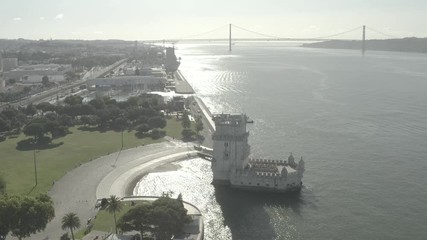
363 40
229 38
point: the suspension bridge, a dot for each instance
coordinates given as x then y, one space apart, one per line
258 36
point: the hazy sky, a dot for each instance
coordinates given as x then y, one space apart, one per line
165 19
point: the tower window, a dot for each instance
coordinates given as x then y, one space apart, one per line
226 144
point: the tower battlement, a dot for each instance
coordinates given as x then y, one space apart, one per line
231 164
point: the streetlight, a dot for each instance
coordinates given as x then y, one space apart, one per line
34 158
122 138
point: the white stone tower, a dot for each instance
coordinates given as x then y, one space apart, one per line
230 144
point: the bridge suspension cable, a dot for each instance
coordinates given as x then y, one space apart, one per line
203 33
278 37
275 37
338 34
381 33
257 33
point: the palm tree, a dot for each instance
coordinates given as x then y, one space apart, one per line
113 206
70 221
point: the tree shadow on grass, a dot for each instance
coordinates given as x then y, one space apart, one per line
188 139
32 189
152 135
140 135
101 129
42 144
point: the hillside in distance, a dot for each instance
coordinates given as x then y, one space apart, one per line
417 45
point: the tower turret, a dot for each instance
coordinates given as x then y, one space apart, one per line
291 161
301 167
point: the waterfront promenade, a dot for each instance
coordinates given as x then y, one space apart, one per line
181 84
80 188
118 173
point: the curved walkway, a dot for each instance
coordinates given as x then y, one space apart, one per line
80 188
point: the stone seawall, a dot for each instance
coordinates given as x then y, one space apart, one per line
181 84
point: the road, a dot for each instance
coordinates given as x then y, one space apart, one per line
63 90
80 188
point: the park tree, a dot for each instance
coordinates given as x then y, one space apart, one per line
65 120
109 101
89 120
104 203
187 133
26 90
133 113
4 125
45 81
132 101
30 110
77 110
186 120
97 103
143 128
120 123
73 100
2 185
70 221
104 117
56 129
10 112
71 76
45 107
168 217
11 81
199 124
114 205
156 133
13 118
25 215
8 210
137 219
35 129
157 122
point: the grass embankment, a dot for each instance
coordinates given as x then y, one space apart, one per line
104 220
17 166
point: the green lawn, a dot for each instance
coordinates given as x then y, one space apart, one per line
17 167
104 220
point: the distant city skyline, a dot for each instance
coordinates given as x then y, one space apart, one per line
152 19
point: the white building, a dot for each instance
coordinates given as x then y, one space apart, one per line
33 74
231 164
144 83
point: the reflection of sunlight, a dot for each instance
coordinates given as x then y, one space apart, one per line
170 95
210 83
193 181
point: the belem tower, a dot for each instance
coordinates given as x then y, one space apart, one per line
232 166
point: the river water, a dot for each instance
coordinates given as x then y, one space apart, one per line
359 122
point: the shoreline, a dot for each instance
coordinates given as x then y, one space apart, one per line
181 84
169 166
133 181
79 189
130 188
